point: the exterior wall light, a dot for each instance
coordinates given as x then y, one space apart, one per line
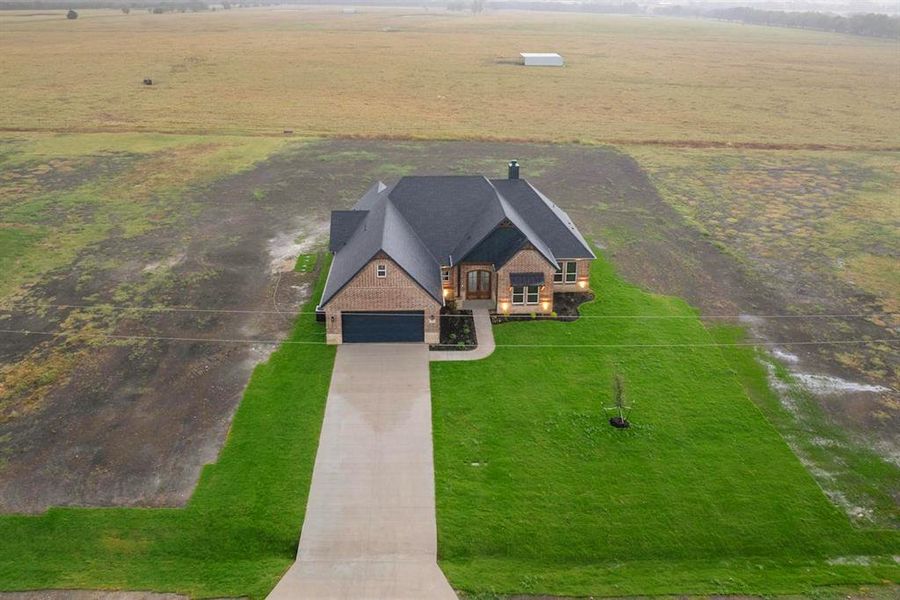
582 284
504 307
545 305
431 319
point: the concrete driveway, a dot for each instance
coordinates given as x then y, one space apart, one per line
370 529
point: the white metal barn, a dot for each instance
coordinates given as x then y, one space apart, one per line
541 59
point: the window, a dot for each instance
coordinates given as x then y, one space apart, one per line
518 295
381 271
526 295
566 273
571 271
445 274
558 274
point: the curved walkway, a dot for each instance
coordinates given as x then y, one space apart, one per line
483 333
370 530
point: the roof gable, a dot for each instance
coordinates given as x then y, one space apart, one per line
549 221
383 229
498 246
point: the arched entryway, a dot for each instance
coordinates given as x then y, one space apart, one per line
478 285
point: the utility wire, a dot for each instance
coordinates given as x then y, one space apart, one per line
189 309
112 336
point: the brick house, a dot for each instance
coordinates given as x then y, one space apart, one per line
405 251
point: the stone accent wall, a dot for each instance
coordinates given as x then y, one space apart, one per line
396 291
583 274
527 260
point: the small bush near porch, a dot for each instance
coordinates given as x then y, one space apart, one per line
537 494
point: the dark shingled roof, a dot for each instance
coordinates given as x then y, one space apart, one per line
548 220
423 223
343 225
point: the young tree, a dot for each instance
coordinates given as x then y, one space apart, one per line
619 409
71 15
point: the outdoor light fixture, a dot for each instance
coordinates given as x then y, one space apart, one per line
431 319
446 292
504 306
545 305
582 284
332 318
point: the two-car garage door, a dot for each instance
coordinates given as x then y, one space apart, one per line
383 327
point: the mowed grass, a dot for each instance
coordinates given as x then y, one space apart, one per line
536 493
435 75
306 263
239 531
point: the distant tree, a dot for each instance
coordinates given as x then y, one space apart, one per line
226 5
126 10
71 15
477 6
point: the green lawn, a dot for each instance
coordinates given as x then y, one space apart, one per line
238 533
306 263
536 493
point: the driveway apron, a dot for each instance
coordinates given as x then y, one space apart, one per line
370 530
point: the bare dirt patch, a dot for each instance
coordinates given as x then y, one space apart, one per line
132 423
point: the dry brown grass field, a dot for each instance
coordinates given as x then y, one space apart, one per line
439 75
748 170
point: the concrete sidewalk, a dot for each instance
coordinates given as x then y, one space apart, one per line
483 333
370 530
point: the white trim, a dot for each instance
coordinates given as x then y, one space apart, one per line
564 274
525 293
574 273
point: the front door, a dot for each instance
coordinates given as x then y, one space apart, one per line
478 286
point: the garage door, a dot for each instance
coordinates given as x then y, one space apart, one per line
383 327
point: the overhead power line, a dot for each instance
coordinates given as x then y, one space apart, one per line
113 337
16 306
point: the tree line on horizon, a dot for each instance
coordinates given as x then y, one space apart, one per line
870 24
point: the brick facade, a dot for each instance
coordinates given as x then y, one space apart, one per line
398 291
527 260
582 276
395 291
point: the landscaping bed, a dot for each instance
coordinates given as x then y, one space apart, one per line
457 330
565 309
566 305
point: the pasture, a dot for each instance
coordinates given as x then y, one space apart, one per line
439 75
744 170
